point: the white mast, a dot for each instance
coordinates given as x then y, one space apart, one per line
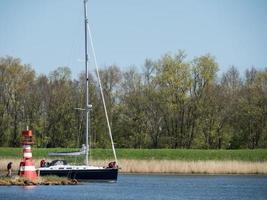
86 84
87 106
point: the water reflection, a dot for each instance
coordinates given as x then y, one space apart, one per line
29 187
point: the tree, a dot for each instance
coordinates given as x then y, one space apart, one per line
16 80
204 76
251 118
172 103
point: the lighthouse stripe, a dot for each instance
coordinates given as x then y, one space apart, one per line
26 146
27 155
27 150
27 168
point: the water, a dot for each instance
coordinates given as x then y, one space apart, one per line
149 187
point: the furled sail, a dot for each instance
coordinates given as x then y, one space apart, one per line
77 153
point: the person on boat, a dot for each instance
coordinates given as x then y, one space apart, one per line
9 169
42 163
112 165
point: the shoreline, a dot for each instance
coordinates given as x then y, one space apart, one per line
193 167
51 180
209 167
187 174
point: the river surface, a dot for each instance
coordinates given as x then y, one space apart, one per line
149 187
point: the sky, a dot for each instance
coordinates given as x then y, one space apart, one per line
49 33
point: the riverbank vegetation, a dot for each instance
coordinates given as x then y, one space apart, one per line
173 102
193 167
169 166
184 161
256 155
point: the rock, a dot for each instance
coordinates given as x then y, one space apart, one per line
74 181
64 182
27 182
20 181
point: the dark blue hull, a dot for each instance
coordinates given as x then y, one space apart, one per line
107 174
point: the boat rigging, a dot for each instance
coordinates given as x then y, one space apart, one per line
86 171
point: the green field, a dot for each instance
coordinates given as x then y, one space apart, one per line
257 155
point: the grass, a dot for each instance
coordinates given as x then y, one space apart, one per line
257 155
193 155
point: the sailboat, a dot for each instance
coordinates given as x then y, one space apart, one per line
86 171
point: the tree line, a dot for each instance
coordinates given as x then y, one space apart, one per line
170 103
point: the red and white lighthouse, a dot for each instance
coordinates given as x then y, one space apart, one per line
27 167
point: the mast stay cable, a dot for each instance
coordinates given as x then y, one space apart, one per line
101 91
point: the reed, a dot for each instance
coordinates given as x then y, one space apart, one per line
173 166
191 167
